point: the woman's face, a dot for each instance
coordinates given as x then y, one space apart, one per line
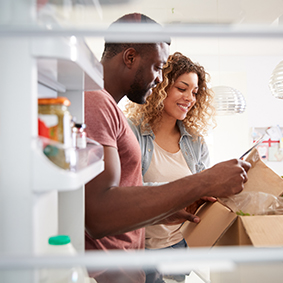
181 97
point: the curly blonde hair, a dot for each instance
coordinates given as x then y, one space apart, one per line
198 120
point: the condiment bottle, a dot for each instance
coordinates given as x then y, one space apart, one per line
79 135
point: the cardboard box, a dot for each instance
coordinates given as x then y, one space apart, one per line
221 226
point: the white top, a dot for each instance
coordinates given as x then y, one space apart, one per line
164 167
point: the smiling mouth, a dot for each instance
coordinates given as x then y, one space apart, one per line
184 107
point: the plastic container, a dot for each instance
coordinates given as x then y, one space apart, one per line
61 245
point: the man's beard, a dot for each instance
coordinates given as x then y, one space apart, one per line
138 96
139 91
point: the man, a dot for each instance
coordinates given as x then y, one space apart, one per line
117 205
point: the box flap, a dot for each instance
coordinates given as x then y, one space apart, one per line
235 235
261 181
215 220
261 178
264 230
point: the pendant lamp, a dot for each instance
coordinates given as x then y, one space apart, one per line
276 81
228 100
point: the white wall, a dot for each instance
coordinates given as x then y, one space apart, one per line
250 75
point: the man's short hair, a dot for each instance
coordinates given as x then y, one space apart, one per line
135 18
111 49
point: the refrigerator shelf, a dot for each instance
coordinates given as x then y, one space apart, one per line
69 56
61 168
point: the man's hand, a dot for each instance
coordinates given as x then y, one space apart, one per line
196 205
187 213
226 178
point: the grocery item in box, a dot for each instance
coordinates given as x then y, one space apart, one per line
220 225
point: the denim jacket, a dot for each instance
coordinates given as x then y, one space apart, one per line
195 152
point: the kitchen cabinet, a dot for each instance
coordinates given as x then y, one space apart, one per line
37 198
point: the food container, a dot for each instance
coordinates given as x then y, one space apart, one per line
54 119
54 123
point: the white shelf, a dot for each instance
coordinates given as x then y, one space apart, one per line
71 56
60 63
47 176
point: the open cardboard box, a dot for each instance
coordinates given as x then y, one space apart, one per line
220 226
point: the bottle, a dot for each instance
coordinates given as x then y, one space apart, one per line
79 135
61 245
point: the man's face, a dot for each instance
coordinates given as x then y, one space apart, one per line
148 74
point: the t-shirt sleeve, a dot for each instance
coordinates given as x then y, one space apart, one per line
101 118
135 129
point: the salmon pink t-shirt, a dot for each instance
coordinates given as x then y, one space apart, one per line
107 125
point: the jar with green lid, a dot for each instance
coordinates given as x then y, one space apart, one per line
54 123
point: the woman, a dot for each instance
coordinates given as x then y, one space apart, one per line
170 128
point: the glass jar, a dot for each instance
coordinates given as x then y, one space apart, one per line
55 119
54 123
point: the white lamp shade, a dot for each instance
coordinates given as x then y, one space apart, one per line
228 100
276 81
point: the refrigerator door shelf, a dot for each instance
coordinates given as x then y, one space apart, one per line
70 56
64 169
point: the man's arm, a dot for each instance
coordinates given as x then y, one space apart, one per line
111 209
